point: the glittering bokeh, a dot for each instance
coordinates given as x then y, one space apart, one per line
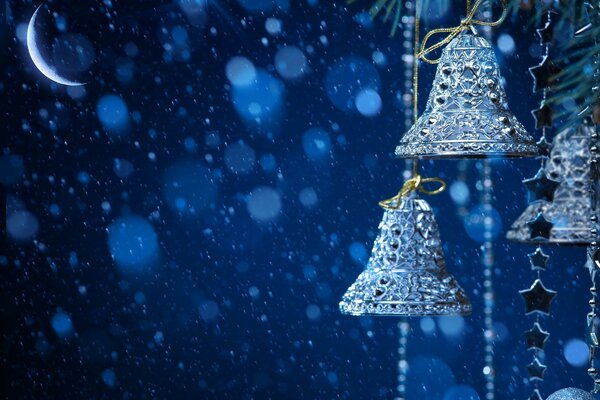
184 224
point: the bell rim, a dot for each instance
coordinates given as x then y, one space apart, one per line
418 150
420 310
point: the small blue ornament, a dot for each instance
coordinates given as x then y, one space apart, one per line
571 394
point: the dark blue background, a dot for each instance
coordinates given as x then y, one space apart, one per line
263 346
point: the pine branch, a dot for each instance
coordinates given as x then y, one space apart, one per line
579 79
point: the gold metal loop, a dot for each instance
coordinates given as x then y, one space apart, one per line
414 184
465 23
433 192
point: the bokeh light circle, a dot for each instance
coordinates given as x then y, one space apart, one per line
423 384
192 6
427 325
240 158
258 6
451 326
313 312
316 143
123 168
240 71
437 10
209 310
268 162
12 167
133 243
368 102
188 187
459 193
290 62
481 218
308 197
264 204
273 26
259 100
461 392
506 44
358 252
62 325
22 225
347 78
112 113
109 377
577 353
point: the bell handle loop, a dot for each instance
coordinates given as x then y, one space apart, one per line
433 192
393 203
466 23
452 33
412 185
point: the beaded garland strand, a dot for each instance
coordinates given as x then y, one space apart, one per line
537 298
408 23
485 188
593 251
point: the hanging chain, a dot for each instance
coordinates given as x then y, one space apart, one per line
485 188
593 265
536 337
487 261
408 23
409 104
546 46
593 253
415 183
592 316
404 330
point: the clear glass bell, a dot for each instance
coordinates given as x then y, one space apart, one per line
406 274
467 114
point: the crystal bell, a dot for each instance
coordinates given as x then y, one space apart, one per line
406 274
467 113
566 205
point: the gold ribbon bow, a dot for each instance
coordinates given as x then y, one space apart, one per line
412 185
466 23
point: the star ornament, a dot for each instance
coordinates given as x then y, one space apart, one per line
539 227
543 116
536 337
544 147
537 298
536 370
546 34
538 259
541 187
544 74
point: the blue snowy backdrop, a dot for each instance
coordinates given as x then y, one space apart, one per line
184 224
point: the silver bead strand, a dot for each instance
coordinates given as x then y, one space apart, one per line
408 22
487 255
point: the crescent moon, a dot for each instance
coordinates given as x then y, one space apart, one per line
36 56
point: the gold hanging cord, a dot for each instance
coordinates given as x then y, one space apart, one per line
412 185
415 183
466 23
